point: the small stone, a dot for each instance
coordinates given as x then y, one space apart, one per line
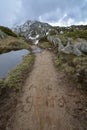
61 104
86 109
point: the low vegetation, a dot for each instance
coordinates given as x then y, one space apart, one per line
53 32
45 45
12 43
74 67
77 34
43 39
8 31
74 35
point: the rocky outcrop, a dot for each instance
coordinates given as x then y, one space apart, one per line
56 41
71 49
76 49
82 47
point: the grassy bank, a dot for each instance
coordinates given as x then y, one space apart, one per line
12 43
17 76
45 45
74 67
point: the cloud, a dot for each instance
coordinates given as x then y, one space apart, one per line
9 11
55 12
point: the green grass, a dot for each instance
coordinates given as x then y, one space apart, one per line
53 32
8 31
17 76
45 45
77 34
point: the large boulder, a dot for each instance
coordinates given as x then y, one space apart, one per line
71 49
82 47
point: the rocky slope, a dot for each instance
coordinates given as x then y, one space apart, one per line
33 30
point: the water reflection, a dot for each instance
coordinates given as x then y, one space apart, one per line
10 60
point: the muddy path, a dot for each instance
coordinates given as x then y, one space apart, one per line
47 101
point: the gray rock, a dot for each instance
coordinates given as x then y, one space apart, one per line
82 47
56 41
76 49
71 49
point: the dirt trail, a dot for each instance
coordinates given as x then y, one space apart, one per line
44 103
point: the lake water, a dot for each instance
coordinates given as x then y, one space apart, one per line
10 60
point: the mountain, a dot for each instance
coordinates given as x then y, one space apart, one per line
33 30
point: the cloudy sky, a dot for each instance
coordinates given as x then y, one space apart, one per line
55 12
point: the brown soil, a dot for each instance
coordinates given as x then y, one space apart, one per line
48 101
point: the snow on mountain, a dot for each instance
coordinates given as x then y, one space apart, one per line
33 30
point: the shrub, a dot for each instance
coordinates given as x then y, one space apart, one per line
52 32
43 39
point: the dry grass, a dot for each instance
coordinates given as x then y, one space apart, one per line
12 43
45 45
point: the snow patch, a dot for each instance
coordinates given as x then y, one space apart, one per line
36 42
32 38
37 36
47 33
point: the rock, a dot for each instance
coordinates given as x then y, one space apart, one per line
61 104
71 49
56 41
82 47
76 49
